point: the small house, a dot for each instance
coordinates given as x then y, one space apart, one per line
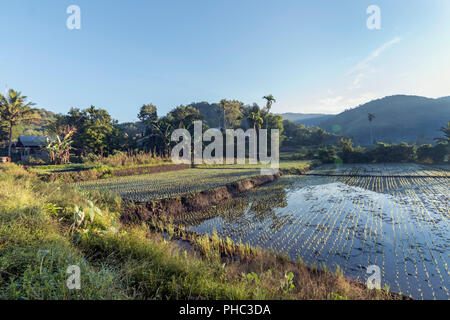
31 147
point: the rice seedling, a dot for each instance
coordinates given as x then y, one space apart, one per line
394 216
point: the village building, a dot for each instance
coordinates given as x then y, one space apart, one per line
31 147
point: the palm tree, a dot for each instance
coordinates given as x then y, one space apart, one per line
14 110
446 132
270 100
257 120
370 117
165 129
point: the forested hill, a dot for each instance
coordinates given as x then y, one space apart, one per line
445 98
397 118
307 119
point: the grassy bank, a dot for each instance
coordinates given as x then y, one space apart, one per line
46 227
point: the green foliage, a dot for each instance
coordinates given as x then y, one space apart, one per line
440 151
336 296
119 262
211 113
297 135
386 153
269 101
96 131
287 284
394 153
148 115
14 110
424 153
446 131
252 278
232 111
34 254
60 147
327 154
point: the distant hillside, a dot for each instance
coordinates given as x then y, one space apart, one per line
398 118
445 98
308 119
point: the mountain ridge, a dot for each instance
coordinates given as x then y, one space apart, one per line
398 118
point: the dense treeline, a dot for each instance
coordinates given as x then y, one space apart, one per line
89 133
346 152
228 114
92 132
299 135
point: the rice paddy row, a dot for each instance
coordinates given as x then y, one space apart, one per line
144 188
398 169
398 224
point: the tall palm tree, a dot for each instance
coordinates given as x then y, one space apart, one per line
371 117
270 100
257 120
14 110
446 132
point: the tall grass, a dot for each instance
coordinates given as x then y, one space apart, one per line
130 158
34 252
41 234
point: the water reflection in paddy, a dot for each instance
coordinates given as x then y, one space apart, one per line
399 224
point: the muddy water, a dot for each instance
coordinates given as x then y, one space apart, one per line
401 225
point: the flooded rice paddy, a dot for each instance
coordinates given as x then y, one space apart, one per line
400 224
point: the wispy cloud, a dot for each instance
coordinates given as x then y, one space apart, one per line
340 102
331 102
363 68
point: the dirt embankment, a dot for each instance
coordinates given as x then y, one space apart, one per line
176 207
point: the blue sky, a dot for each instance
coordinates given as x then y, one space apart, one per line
313 56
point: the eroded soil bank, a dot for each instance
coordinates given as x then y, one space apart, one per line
175 207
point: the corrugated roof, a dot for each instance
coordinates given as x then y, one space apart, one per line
32 141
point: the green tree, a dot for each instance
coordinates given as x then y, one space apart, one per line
446 132
424 153
269 101
148 116
371 117
96 132
346 145
184 117
232 112
14 110
59 148
440 151
257 120
274 121
164 128
211 113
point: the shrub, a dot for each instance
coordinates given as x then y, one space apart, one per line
402 152
327 155
424 153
